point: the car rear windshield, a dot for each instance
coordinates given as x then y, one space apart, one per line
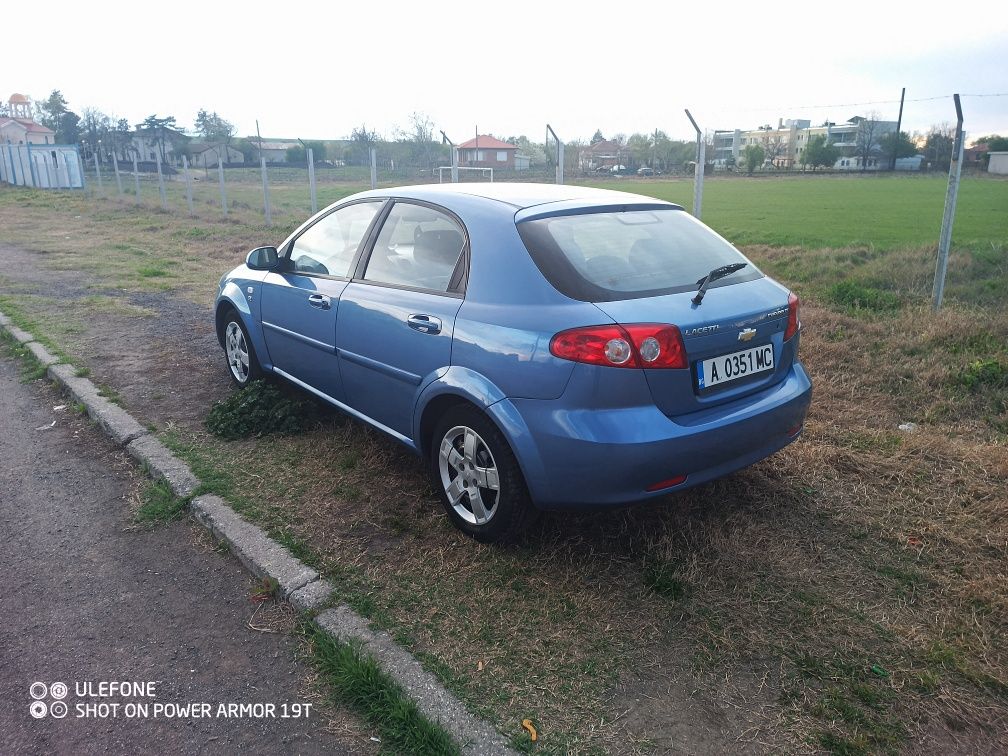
607 256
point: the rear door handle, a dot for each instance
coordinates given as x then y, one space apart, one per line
319 301
424 323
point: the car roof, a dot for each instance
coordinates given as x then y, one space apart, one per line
517 195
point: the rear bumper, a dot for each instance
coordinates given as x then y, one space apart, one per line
585 458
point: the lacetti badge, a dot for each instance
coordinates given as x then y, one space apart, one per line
746 334
700 330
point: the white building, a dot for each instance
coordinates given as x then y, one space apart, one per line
206 155
998 163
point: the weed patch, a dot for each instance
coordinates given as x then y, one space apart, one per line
356 679
158 504
989 373
859 297
259 409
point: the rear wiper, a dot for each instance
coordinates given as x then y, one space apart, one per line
714 275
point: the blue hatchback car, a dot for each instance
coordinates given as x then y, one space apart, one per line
538 346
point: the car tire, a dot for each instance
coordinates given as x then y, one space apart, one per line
239 354
468 457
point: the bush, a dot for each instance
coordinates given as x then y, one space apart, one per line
984 373
259 409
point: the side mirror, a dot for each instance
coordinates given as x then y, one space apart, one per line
263 258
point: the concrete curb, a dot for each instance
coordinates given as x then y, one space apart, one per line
431 698
42 354
264 557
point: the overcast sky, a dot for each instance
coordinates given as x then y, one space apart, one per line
316 70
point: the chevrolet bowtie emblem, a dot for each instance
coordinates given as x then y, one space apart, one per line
746 334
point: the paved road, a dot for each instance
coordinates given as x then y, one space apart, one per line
88 600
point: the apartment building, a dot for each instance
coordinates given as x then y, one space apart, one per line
784 144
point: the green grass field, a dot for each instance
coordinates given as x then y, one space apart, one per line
876 211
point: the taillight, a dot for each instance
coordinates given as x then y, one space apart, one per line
639 345
793 323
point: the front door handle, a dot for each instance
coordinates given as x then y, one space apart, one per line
424 323
320 301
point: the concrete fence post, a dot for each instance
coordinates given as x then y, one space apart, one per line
188 185
223 194
160 181
311 180
374 168
97 168
115 167
136 178
266 197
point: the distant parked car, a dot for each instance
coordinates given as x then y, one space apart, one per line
645 171
539 346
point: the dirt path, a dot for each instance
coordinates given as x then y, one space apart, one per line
166 366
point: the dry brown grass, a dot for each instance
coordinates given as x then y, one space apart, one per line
847 594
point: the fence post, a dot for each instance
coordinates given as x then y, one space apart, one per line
115 166
223 194
311 181
188 185
454 170
136 178
98 173
266 199
948 218
374 168
160 182
698 171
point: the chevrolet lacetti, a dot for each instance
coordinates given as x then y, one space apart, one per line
539 346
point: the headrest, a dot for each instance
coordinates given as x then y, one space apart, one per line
441 247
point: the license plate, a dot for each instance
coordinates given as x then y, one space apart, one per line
730 367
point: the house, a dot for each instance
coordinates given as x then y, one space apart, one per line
273 151
484 151
147 144
998 163
206 155
606 154
20 127
975 155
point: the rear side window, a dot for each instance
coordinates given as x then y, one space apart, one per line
418 247
602 257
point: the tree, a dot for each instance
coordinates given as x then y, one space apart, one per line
938 146
215 130
362 142
867 138
818 152
51 110
597 137
162 131
96 128
420 139
753 156
247 149
900 145
994 142
640 148
298 153
67 131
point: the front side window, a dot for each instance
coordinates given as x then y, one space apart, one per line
329 246
418 247
607 256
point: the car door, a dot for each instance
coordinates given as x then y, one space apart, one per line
396 318
300 301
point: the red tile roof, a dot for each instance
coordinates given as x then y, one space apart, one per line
29 126
486 143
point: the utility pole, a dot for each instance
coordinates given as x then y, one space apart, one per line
945 240
899 125
560 153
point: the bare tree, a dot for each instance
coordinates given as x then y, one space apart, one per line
866 141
